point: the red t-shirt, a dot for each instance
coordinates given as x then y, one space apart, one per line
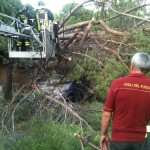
129 100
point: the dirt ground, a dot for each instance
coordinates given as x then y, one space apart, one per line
21 77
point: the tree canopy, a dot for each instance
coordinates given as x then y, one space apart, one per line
10 7
82 14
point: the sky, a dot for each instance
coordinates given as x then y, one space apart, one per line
54 5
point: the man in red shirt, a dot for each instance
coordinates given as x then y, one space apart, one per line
128 105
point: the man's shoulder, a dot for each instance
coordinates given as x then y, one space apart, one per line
42 9
47 9
131 79
121 79
20 13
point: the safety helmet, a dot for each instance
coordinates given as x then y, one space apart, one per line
41 3
25 7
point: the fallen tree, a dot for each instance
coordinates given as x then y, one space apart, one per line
74 35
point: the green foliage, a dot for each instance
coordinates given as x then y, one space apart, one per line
10 7
125 22
2 100
143 40
24 63
81 14
94 117
99 76
32 11
39 96
3 50
24 112
114 70
40 133
68 7
48 135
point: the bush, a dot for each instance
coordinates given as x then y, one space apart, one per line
38 135
99 76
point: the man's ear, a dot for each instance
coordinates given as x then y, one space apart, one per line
131 67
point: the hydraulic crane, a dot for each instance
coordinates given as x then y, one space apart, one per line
43 47
42 44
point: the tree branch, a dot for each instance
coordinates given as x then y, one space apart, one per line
62 22
112 51
133 9
72 38
125 14
85 23
63 105
87 30
111 30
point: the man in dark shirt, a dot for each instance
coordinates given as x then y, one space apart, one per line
42 13
24 17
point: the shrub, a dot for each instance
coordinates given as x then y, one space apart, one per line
50 135
99 76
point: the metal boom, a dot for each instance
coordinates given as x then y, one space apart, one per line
17 31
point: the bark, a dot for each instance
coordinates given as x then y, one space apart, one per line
85 34
69 36
73 26
61 55
105 48
85 23
102 23
80 35
146 29
8 90
72 38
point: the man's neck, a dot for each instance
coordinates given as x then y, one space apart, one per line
136 72
133 70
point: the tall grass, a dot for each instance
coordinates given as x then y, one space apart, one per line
42 135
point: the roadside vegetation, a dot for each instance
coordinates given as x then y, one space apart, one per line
35 120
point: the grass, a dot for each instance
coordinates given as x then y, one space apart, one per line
38 134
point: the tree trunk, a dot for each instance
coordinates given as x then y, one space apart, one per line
8 90
88 28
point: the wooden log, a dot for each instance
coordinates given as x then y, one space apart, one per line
85 23
73 27
88 28
102 23
72 38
